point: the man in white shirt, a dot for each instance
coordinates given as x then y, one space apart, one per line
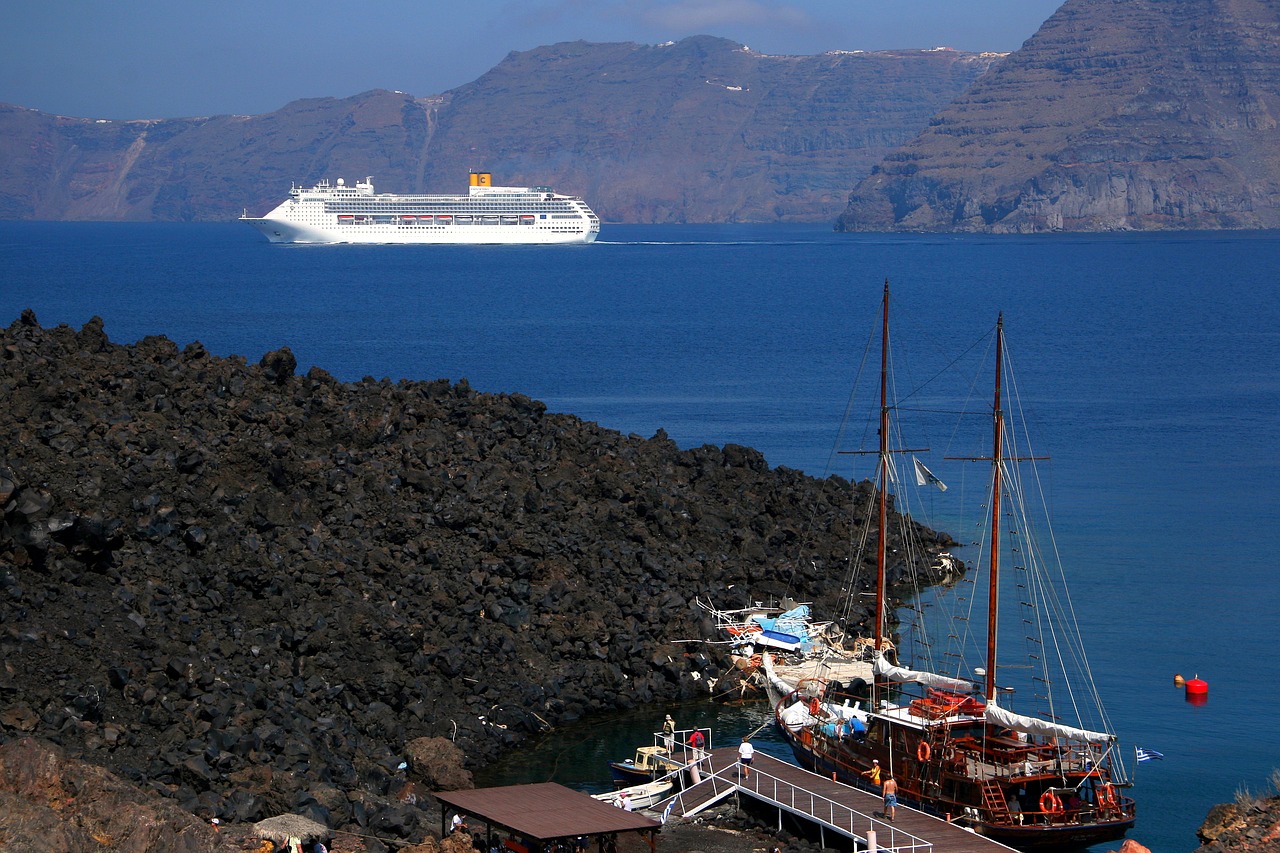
746 752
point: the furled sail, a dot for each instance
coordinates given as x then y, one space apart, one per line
882 668
1019 723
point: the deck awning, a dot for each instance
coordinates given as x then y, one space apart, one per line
545 811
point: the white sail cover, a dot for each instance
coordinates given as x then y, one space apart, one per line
1000 717
900 674
796 716
779 685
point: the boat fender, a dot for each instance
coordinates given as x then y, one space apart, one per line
815 705
922 751
1050 803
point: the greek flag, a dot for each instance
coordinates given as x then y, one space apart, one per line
667 810
1147 754
924 477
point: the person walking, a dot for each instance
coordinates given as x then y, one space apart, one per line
890 797
746 754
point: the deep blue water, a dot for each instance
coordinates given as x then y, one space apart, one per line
1151 364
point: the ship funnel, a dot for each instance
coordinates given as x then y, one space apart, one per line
481 179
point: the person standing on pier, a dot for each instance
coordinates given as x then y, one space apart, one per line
890 797
746 753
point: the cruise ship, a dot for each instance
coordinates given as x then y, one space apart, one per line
338 213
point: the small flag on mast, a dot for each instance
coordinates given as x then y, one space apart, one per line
924 477
1147 754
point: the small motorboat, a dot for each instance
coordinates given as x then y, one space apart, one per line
650 763
637 796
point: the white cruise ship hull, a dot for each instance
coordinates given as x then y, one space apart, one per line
487 215
284 231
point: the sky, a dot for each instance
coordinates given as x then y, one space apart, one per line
132 59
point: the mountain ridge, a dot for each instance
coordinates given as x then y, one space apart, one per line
1134 115
702 130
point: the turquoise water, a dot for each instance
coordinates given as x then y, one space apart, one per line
1151 364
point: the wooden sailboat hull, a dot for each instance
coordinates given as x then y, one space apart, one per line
944 786
1065 837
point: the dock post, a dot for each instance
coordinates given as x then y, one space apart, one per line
872 846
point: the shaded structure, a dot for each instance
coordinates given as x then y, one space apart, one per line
545 817
283 827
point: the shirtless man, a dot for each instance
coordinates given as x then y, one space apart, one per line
890 797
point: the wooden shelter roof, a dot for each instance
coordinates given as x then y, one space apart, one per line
545 810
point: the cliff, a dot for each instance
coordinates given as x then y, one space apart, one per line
702 130
252 591
1248 825
1116 115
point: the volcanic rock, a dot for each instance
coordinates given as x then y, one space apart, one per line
438 764
50 803
1248 825
255 592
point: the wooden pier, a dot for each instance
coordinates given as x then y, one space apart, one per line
831 806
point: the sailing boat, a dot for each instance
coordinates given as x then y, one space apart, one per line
1035 782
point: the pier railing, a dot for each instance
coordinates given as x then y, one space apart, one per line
717 783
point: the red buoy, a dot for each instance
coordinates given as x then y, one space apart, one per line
1197 691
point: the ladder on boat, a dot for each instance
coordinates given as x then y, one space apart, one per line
993 802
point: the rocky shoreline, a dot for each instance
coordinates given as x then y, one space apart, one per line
1251 824
248 591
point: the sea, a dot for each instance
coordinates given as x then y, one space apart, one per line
1153 363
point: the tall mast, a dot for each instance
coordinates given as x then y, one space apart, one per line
883 509
993 600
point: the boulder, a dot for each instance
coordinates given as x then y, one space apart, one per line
438 764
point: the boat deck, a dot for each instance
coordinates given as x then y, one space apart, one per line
832 806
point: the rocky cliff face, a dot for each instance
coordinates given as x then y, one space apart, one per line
1117 114
1249 825
253 592
698 131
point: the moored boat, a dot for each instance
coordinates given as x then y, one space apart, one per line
641 796
650 762
798 646
1048 778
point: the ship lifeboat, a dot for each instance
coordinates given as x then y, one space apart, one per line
526 219
410 220
445 220
463 219
342 217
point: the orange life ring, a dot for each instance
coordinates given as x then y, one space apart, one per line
922 751
1107 796
815 705
1050 803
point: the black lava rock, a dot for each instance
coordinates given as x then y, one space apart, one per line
245 587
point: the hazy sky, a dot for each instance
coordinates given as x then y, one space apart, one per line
171 58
